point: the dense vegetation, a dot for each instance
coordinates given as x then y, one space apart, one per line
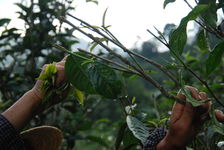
104 95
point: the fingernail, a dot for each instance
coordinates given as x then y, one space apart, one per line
218 111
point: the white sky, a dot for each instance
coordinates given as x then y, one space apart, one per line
129 18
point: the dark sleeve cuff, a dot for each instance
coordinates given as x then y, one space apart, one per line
9 137
154 138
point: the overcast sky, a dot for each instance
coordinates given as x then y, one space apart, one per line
129 18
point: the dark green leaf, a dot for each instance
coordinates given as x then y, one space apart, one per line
93 77
120 135
167 2
77 74
206 1
202 41
4 21
106 81
178 37
214 58
210 15
129 140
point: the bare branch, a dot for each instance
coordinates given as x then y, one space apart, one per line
142 73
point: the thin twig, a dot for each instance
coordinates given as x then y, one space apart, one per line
130 53
116 42
124 69
207 28
189 69
143 74
189 5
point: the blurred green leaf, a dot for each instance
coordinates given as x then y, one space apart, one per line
178 37
167 2
79 96
133 100
129 140
210 15
202 41
94 44
215 58
4 21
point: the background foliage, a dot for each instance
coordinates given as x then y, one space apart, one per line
100 122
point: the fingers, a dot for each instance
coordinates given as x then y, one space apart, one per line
62 62
219 115
177 109
60 75
194 92
201 113
206 106
200 96
188 114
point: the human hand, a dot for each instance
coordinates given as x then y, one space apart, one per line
219 115
31 103
60 80
185 121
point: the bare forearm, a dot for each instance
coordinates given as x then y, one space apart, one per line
22 111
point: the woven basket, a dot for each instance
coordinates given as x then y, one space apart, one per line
42 138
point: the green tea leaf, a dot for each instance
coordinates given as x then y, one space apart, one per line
105 80
215 58
190 99
178 37
93 78
202 41
167 2
79 96
139 130
210 15
77 74
133 100
49 72
187 93
94 44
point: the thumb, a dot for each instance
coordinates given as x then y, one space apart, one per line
188 114
177 109
219 115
